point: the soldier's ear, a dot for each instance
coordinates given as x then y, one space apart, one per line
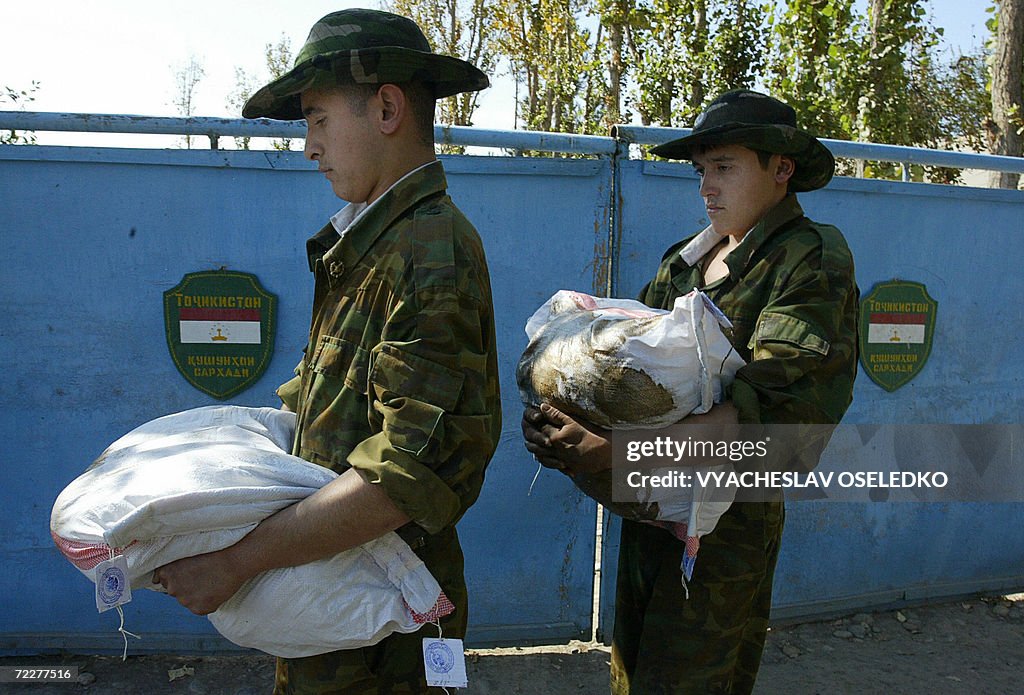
394 108
785 169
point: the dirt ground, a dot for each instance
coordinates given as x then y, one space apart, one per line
968 646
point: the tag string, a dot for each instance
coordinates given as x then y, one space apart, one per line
124 633
535 476
437 623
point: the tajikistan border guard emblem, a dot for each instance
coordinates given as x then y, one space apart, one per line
897 324
220 330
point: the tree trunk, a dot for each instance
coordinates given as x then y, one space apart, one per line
1007 89
697 94
875 82
613 100
668 86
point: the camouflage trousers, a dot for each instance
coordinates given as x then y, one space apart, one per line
712 641
393 666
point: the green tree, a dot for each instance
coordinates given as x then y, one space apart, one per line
186 81
875 77
813 66
19 98
555 60
616 18
964 103
245 85
277 60
913 96
897 70
668 46
461 28
736 46
686 51
853 69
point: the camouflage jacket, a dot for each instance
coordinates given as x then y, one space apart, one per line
400 375
792 297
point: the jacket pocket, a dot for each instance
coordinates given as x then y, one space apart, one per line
413 394
337 358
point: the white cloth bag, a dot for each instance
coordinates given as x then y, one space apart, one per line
198 481
623 365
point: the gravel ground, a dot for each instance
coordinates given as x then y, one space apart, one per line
969 646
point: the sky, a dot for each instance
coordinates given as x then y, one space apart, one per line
120 56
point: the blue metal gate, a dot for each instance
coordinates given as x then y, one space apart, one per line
92 237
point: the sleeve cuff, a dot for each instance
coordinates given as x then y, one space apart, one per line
288 392
414 488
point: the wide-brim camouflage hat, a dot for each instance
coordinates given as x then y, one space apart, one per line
363 47
760 122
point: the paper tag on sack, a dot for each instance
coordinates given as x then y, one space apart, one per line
112 587
445 662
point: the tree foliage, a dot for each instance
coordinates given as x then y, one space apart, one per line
670 52
814 65
555 60
277 60
461 28
187 77
245 84
896 72
17 97
869 70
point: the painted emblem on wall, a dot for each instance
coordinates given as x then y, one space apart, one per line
897 324
220 330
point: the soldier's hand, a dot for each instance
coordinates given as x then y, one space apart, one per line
201 583
561 442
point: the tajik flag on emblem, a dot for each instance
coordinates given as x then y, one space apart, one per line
219 326
896 328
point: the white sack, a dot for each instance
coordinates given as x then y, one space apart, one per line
623 365
198 481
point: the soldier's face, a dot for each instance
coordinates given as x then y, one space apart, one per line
736 189
342 140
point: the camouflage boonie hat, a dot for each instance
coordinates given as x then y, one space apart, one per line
363 47
760 122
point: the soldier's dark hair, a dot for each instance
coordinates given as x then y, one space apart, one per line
763 156
419 96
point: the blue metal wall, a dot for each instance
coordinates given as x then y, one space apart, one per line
92 238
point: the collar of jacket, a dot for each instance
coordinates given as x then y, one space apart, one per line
787 210
340 255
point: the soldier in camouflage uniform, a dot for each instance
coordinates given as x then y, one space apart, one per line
788 286
398 388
